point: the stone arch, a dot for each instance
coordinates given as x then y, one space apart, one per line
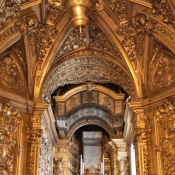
89 122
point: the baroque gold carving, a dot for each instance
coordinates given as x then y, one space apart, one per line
9 123
142 131
84 69
119 8
161 7
96 39
9 74
165 72
166 135
9 9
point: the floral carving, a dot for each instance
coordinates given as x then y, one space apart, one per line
9 123
142 136
85 69
77 40
166 127
165 72
9 9
9 74
140 27
119 8
161 7
45 163
128 40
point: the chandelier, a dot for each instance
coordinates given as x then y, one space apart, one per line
79 9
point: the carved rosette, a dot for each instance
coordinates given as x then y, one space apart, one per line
142 131
165 125
10 76
9 124
165 72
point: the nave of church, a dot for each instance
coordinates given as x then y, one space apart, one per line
87 87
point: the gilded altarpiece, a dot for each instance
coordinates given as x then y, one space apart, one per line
164 120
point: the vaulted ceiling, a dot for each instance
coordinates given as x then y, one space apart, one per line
130 44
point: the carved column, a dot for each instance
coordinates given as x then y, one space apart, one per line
122 156
66 159
34 134
141 139
112 153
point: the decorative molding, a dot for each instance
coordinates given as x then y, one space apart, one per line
86 68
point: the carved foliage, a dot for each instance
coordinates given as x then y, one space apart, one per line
9 123
142 131
41 38
9 74
141 26
119 8
77 40
165 72
161 7
84 69
9 10
166 135
45 159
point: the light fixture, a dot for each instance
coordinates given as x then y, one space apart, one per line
79 10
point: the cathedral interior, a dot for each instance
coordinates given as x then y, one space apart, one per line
87 87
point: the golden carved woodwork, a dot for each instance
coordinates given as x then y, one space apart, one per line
10 75
165 126
165 72
94 69
9 148
130 43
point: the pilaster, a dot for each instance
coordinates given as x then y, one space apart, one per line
34 134
122 156
141 139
